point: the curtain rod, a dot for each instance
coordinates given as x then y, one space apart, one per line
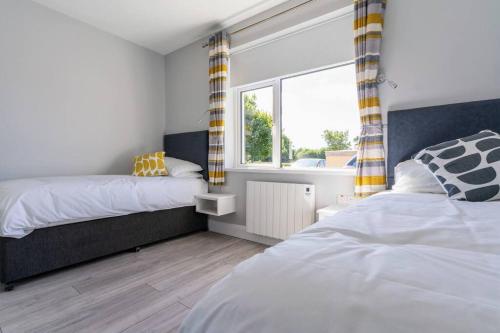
266 19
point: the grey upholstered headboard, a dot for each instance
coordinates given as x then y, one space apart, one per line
409 131
190 146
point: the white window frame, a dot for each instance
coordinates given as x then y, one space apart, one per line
276 130
276 83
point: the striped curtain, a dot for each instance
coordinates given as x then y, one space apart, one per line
218 66
368 23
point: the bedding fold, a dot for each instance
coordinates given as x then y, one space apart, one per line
395 262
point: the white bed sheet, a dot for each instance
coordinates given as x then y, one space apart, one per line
28 204
395 262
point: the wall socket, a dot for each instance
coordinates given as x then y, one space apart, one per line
345 199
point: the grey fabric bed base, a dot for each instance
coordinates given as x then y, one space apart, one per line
56 247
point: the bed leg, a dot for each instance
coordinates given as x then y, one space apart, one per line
8 287
135 249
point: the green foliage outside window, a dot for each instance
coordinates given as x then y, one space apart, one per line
258 138
258 132
337 140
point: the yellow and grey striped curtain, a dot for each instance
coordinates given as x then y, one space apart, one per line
368 24
218 66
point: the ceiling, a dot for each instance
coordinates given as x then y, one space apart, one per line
160 25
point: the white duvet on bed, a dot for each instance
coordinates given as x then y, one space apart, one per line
393 263
28 204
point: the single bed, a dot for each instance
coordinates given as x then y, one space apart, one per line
395 262
54 222
35 203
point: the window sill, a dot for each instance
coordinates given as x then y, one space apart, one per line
333 172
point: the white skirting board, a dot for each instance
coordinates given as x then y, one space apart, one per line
239 231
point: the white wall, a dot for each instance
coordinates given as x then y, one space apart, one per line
437 51
187 89
73 99
327 188
440 52
186 103
187 100
187 68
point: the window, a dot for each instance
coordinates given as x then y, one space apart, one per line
308 120
257 124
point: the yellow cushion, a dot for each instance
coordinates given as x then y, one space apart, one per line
151 164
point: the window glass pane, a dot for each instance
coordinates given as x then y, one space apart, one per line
320 119
257 125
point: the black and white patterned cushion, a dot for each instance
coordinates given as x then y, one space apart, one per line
467 168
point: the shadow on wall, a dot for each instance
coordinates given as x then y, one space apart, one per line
123 163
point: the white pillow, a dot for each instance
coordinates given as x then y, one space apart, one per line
413 177
190 174
177 167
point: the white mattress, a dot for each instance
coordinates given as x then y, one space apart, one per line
28 204
392 263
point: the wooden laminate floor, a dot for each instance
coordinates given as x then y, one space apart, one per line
149 291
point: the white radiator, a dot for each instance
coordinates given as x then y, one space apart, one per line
279 209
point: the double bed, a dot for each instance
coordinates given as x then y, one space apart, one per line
395 262
54 222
